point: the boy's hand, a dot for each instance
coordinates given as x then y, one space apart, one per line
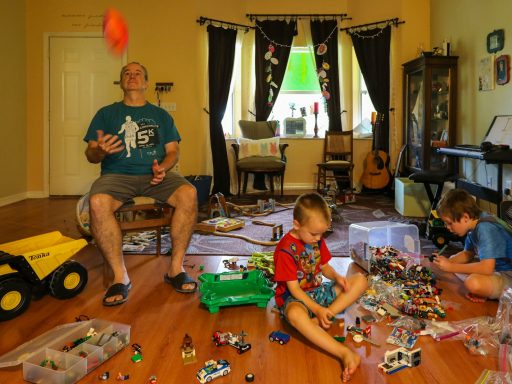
443 263
324 316
343 283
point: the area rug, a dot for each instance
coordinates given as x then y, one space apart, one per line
366 208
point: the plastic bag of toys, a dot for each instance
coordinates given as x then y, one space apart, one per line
505 338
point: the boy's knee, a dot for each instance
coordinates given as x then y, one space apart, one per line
472 283
294 311
360 280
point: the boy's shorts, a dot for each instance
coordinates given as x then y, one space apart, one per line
500 281
323 295
124 188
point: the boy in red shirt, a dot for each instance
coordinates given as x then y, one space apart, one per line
301 259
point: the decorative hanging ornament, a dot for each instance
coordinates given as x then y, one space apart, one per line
322 49
326 66
322 74
268 55
271 48
274 61
326 94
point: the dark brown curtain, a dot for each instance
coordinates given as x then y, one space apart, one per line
281 32
372 52
221 58
320 31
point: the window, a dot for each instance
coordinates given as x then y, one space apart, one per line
363 106
299 91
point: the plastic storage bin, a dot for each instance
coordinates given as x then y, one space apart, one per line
45 361
361 236
411 198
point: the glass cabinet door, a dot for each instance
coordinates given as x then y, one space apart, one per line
439 130
429 111
415 121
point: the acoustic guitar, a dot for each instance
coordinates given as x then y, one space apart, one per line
376 174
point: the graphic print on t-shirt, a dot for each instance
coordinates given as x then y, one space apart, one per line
140 134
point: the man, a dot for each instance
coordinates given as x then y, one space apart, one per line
139 169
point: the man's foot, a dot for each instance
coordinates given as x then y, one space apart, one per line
475 298
349 363
116 294
182 282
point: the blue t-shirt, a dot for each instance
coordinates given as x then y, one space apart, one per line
144 131
490 240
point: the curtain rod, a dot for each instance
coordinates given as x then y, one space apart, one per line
202 20
394 22
252 16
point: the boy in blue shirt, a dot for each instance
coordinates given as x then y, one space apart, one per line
487 237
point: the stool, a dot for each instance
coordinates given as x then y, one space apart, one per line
154 215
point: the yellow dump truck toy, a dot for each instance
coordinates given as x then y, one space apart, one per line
36 265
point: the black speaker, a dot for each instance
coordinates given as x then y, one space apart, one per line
486 146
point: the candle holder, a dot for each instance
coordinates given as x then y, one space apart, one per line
316 125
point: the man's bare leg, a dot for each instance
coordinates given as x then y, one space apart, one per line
184 218
107 234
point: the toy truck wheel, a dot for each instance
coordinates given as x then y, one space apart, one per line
271 339
439 240
68 280
15 298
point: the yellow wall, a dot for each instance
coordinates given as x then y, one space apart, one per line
165 36
13 156
475 109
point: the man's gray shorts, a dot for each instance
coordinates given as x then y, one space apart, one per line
125 187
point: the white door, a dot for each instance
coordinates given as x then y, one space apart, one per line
81 80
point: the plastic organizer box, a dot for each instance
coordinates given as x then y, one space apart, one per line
361 236
234 288
44 360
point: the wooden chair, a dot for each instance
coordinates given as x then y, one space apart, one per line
142 215
145 214
337 162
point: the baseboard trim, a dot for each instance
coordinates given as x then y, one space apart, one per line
13 198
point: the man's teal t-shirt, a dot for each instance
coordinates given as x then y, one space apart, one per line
144 132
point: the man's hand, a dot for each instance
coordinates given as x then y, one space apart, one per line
158 173
108 144
443 263
324 316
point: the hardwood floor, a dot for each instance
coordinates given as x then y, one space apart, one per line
160 317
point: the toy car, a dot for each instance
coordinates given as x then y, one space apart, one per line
236 341
213 369
280 337
35 266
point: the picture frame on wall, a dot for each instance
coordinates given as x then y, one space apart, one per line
502 69
486 74
495 41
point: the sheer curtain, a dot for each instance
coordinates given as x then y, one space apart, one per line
221 57
372 48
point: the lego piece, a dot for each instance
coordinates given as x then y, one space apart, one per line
228 338
398 359
279 336
213 369
188 352
249 377
402 338
104 376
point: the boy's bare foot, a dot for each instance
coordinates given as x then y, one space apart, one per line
349 361
475 298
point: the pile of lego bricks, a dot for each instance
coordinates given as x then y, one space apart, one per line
414 285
